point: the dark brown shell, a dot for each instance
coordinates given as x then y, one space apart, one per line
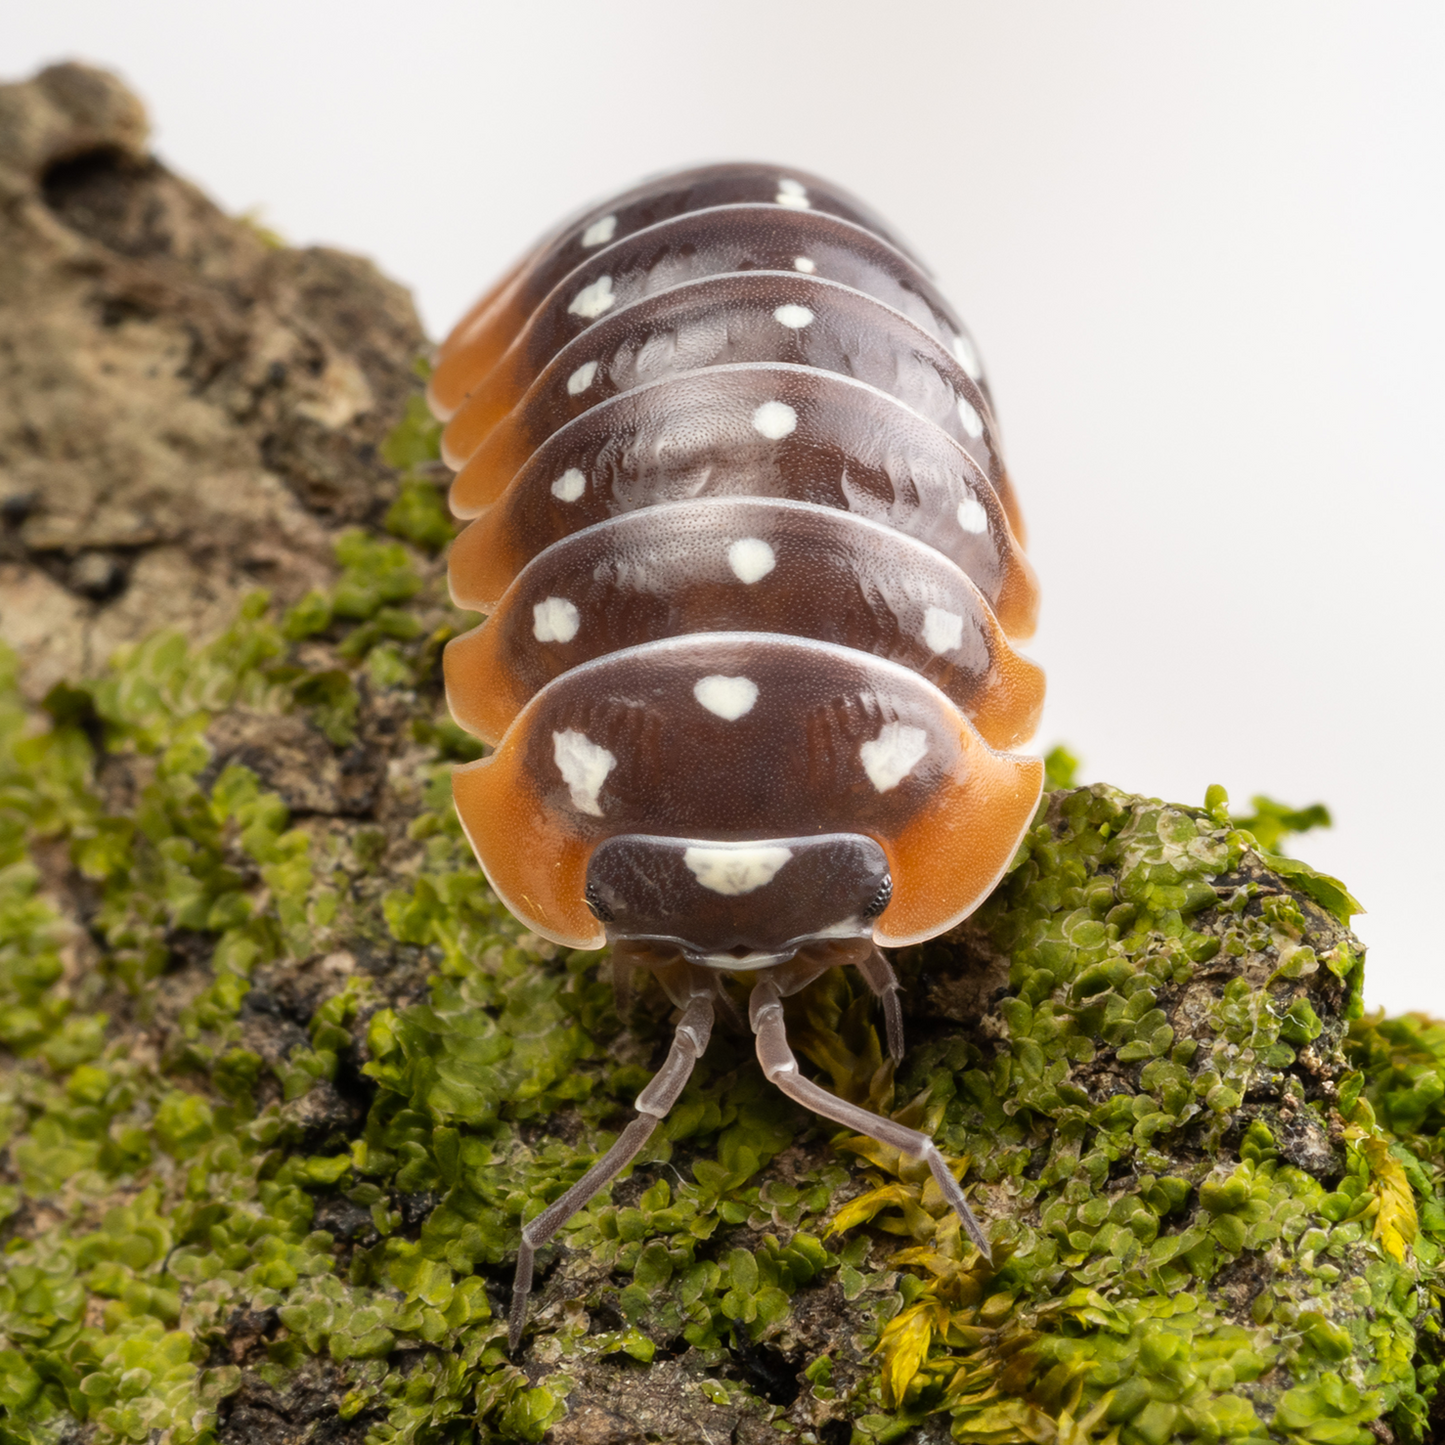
749 546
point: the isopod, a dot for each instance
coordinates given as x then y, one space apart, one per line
753 571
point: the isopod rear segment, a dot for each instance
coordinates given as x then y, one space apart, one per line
759 317
755 576
478 340
720 241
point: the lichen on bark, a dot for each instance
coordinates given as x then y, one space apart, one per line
281 1080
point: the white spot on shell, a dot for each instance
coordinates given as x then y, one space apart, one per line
751 559
555 619
737 869
792 193
793 317
599 233
967 356
584 767
727 697
893 754
968 415
942 630
569 486
582 378
591 301
775 419
803 264
972 517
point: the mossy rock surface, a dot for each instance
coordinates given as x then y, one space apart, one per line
284 1080
280 1081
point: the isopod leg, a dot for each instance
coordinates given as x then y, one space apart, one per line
879 976
652 1104
623 967
765 1010
731 1013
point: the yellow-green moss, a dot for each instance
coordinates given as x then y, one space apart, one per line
1213 1186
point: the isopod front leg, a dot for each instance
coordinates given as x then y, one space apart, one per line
630 958
879 976
688 1046
623 967
765 1010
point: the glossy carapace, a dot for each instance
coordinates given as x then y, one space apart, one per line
754 572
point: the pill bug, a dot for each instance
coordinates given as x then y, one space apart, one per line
753 567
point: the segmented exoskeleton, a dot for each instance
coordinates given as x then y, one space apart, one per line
752 563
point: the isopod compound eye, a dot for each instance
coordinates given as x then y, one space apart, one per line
880 899
754 572
598 908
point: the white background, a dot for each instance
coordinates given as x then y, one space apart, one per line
1201 247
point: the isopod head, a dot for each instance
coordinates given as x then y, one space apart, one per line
737 905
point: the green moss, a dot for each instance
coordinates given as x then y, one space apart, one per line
419 513
1214 1199
416 439
1061 768
1272 822
1190 1261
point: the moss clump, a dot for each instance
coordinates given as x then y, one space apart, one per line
281 1082
419 513
1206 1233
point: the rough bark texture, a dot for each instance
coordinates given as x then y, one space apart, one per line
280 1080
187 409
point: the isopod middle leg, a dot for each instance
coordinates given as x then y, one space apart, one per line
765 1009
883 982
688 1044
877 972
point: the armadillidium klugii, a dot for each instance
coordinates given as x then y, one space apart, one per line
752 563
